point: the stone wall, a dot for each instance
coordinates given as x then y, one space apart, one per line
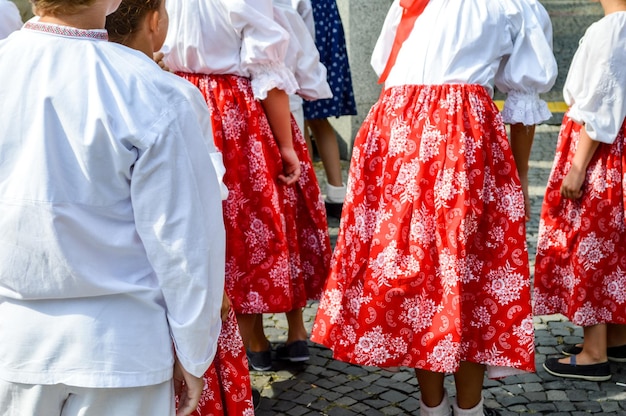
362 22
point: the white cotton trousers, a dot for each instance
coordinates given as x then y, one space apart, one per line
60 400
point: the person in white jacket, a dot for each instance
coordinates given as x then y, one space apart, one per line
113 244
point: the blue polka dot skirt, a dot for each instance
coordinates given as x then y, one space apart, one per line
331 44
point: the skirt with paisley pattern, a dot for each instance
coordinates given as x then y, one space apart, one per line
277 243
431 264
580 268
227 388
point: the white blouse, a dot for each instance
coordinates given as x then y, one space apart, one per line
595 88
10 19
302 57
304 9
501 43
236 37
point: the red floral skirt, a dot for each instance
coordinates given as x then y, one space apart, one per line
227 390
580 269
278 248
431 265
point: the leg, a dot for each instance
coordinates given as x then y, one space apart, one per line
252 333
615 335
295 322
327 146
469 384
590 363
307 138
258 348
295 348
431 386
594 347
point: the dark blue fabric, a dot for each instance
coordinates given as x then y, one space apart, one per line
331 44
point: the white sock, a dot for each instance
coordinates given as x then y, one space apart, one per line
335 194
474 411
442 409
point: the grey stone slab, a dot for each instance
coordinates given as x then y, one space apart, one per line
393 396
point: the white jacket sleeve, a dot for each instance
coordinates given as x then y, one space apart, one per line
182 231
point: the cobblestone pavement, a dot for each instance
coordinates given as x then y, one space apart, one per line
325 386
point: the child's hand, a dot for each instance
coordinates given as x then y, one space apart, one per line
158 58
188 389
225 306
571 188
291 166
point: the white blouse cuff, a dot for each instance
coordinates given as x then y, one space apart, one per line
267 77
525 108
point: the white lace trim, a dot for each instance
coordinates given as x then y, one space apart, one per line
267 77
525 108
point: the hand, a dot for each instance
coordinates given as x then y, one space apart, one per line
188 388
225 307
571 188
291 166
158 58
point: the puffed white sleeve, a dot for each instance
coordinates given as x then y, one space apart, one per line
595 87
302 56
305 10
264 46
383 46
530 69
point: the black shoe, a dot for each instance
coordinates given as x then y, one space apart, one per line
591 372
615 354
295 352
260 361
572 350
333 209
491 412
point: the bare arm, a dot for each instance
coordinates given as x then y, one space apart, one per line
276 107
571 187
521 142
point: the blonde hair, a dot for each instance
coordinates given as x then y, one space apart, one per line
60 7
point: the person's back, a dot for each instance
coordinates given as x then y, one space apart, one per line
112 241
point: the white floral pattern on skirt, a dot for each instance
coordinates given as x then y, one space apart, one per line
277 243
580 269
431 265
